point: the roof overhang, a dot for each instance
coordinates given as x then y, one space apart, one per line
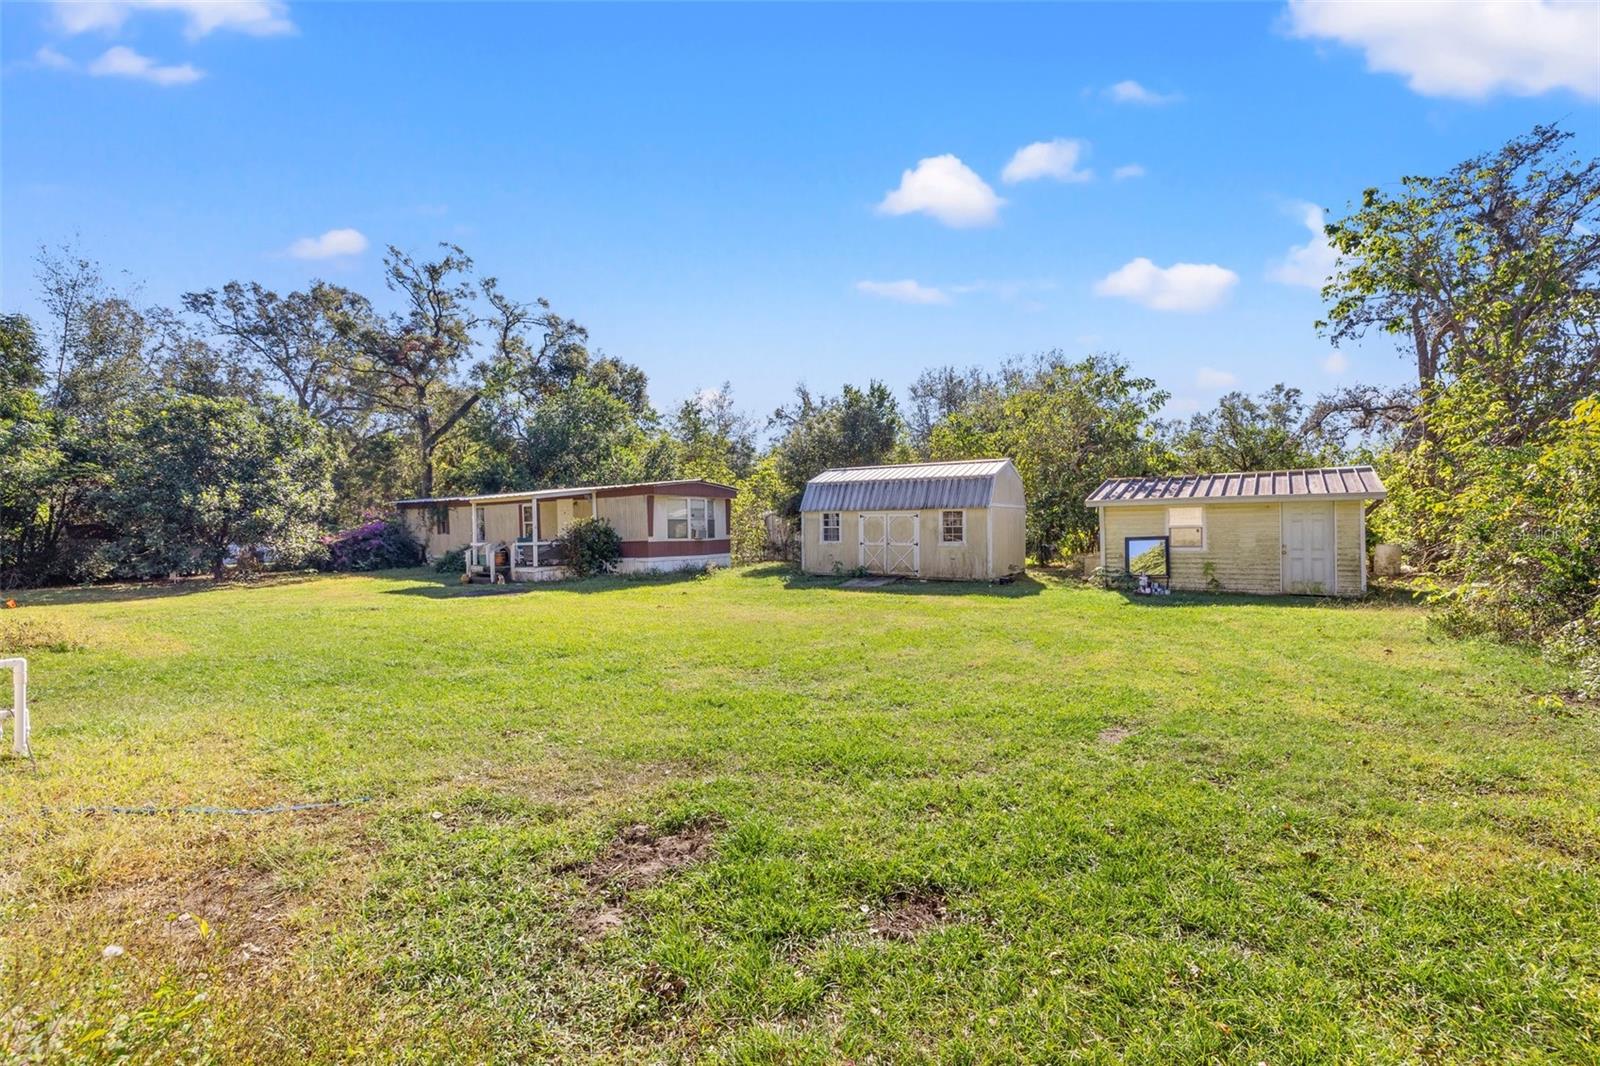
692 487
1210 501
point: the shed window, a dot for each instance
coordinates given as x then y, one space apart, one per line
1146 555
441 519
953 527
1186 526
691 518
830 527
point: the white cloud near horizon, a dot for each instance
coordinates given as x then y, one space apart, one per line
1056 159
1128 170
332 244
1308 265
1211 378
120 61
1179 287
945 188
906 291
1131 92
1469 48
257 18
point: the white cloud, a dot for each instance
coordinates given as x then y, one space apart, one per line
335 242
1131 92
51 59
1128 170
1056 159
1470 48
1336 363
120 61
258 18
1309 264
946 188
906 291
1179 287
1211 378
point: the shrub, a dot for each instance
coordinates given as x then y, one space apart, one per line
590 546
376 544
451 562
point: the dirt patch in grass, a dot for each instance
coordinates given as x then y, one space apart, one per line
636 857
1114 735
909 913
237 914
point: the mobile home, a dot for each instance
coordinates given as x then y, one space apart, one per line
664 525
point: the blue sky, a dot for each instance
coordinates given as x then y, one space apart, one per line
720 192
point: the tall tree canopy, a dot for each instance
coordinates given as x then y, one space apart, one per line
1067 425
859 427
1243 432
1492 269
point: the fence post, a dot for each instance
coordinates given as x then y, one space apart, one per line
19 705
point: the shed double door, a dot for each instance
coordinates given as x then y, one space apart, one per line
1308 548
889 543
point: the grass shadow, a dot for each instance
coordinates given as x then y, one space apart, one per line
437 586
1021 586
147 590
1177 599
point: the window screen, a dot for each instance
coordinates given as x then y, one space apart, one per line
677 509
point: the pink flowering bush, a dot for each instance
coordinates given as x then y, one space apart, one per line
378 543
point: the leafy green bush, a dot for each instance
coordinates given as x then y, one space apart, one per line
451 562
590 546
1520 524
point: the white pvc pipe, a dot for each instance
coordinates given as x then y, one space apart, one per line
19 705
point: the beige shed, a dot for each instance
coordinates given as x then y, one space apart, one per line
954 521
1266 532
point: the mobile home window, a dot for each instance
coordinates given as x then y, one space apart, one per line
1186 526
953 527
691 518
527 521
1146 555
441 520
830 527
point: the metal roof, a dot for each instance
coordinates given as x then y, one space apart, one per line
1326 482
904 486
536 494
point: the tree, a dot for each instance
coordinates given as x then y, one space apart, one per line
30 456
1067 426
199 476
859 427
289 338
1246 433
938 393
714 440
1491 269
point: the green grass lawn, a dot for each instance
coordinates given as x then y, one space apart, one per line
920 823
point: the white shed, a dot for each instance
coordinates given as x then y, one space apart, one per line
953 521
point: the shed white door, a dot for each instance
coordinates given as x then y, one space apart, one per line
889 543
1308 548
